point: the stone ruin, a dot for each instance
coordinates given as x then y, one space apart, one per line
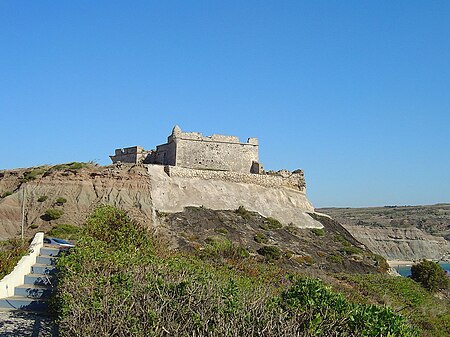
191 154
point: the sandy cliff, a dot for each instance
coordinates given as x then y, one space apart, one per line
142 190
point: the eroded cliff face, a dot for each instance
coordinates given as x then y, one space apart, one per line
399 232
141 190
401 243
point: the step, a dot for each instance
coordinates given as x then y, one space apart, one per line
49 251
23 303
39 279
45 259
43 269
33 291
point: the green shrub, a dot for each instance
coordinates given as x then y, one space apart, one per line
351 250
245 214
53 214
220 246
5 194
334 258
325 309
430 275
111 285
222 231
271 224
32 174
65 231
261 238
11 251
68 166
318 231
270 252
34 226
61 201
42 198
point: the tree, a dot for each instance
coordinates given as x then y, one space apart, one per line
430 275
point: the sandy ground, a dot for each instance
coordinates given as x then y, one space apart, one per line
26 325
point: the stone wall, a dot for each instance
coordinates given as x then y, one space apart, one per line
294 181
209 154
133 154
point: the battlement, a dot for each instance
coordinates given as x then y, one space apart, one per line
193 150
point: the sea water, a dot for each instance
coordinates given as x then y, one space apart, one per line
406 270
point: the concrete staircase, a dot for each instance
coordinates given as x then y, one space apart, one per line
38 285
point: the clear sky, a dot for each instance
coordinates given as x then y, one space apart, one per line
356 93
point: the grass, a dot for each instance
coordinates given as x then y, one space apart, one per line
11 251
118 282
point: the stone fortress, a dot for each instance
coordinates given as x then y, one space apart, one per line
192 155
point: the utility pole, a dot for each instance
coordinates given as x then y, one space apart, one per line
23 211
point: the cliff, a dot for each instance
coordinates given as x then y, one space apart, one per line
399 232
142 190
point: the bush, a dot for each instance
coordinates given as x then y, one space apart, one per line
32 174
430 275
351 250
11 251
65 231
271 224
318 231
5 194
61 201
42 198
34 226
220 246
120 288
245 214
270 252
261 238
53 214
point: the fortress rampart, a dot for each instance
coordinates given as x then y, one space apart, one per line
294 180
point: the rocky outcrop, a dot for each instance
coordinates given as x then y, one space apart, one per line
401 243
141 190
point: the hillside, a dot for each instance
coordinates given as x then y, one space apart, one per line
399 232
139 189
188 212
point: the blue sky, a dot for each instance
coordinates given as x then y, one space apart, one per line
356 93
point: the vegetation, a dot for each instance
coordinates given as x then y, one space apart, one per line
5 194
270 252
430 275
65 231
318 231
42 198
53 214
427 312
244 213
68 166
61 201
261 238
118 282
11 251
33 174
271 224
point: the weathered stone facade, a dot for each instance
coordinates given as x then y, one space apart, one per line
192 155
294 180
193 150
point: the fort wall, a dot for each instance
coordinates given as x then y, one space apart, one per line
290 180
